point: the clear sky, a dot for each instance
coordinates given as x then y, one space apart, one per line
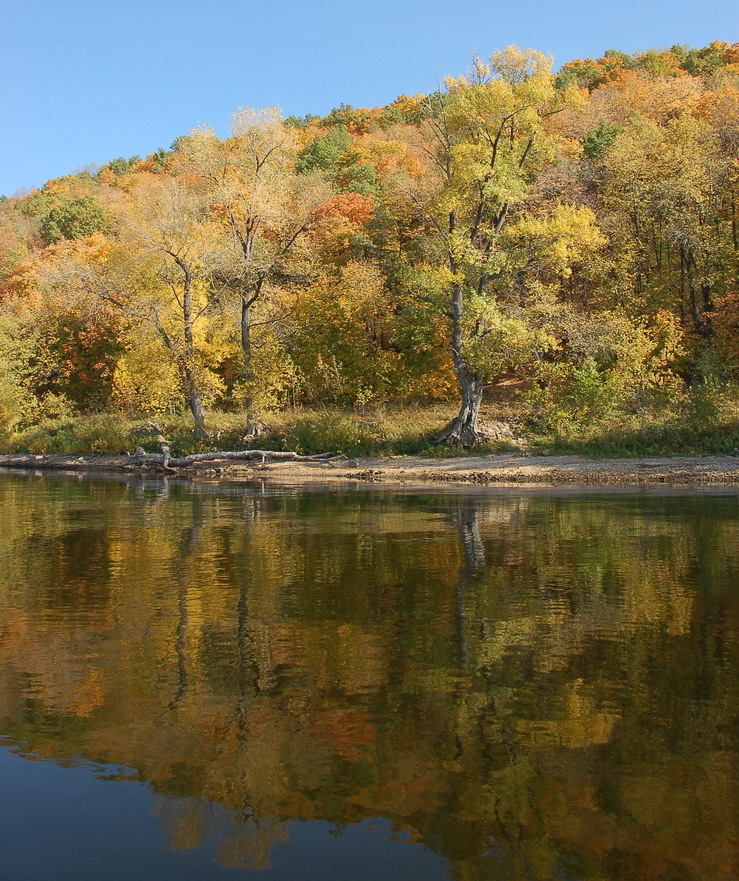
85 81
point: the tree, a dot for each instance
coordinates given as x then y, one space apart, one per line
170 229
72 219
487 139
264 206
325 151
667 189
342 341
156 274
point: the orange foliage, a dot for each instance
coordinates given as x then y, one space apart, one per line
21 283
353 207
145 165
338 221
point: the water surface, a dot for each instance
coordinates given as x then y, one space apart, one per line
321 683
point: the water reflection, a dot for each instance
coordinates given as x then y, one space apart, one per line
530 686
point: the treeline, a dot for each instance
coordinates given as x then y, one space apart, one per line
575 231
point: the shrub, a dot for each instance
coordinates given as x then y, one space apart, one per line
334 432
707 405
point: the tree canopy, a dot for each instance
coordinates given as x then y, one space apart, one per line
518 224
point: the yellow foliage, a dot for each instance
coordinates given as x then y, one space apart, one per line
556 241
146 381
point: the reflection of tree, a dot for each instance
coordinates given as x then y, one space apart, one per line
465 519
245 840
248 668
529 685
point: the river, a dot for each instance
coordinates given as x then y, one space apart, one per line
348 682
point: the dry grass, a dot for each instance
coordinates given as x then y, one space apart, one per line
388 430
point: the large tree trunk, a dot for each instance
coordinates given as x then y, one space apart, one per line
252 426
196 405
193 391
463 429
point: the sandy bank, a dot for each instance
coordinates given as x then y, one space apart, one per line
502 469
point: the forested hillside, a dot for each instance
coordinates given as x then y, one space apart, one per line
561 244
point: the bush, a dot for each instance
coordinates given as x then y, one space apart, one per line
9 407
334 432
708 405
566 399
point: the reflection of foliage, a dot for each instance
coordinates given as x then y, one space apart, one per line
522 683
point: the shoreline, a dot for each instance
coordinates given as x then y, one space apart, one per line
474 470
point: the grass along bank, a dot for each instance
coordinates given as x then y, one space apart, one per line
696 428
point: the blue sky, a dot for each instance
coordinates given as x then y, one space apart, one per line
85 81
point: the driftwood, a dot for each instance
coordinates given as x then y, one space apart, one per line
165 460
229 455
160 461
164 449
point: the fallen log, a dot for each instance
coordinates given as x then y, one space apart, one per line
163 459
164 449
168 463
262 455
142 459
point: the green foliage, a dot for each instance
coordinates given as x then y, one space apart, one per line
360 178
324 151
604 372
96 435
347 116
300 122
19 368
690 427
37 204
499 341
72 219
393 115
708 405
599 139
705 61
123 166
159 158
9 405
336 432
569 399
627 61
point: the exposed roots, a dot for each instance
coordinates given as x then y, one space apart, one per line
467 436
464 435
